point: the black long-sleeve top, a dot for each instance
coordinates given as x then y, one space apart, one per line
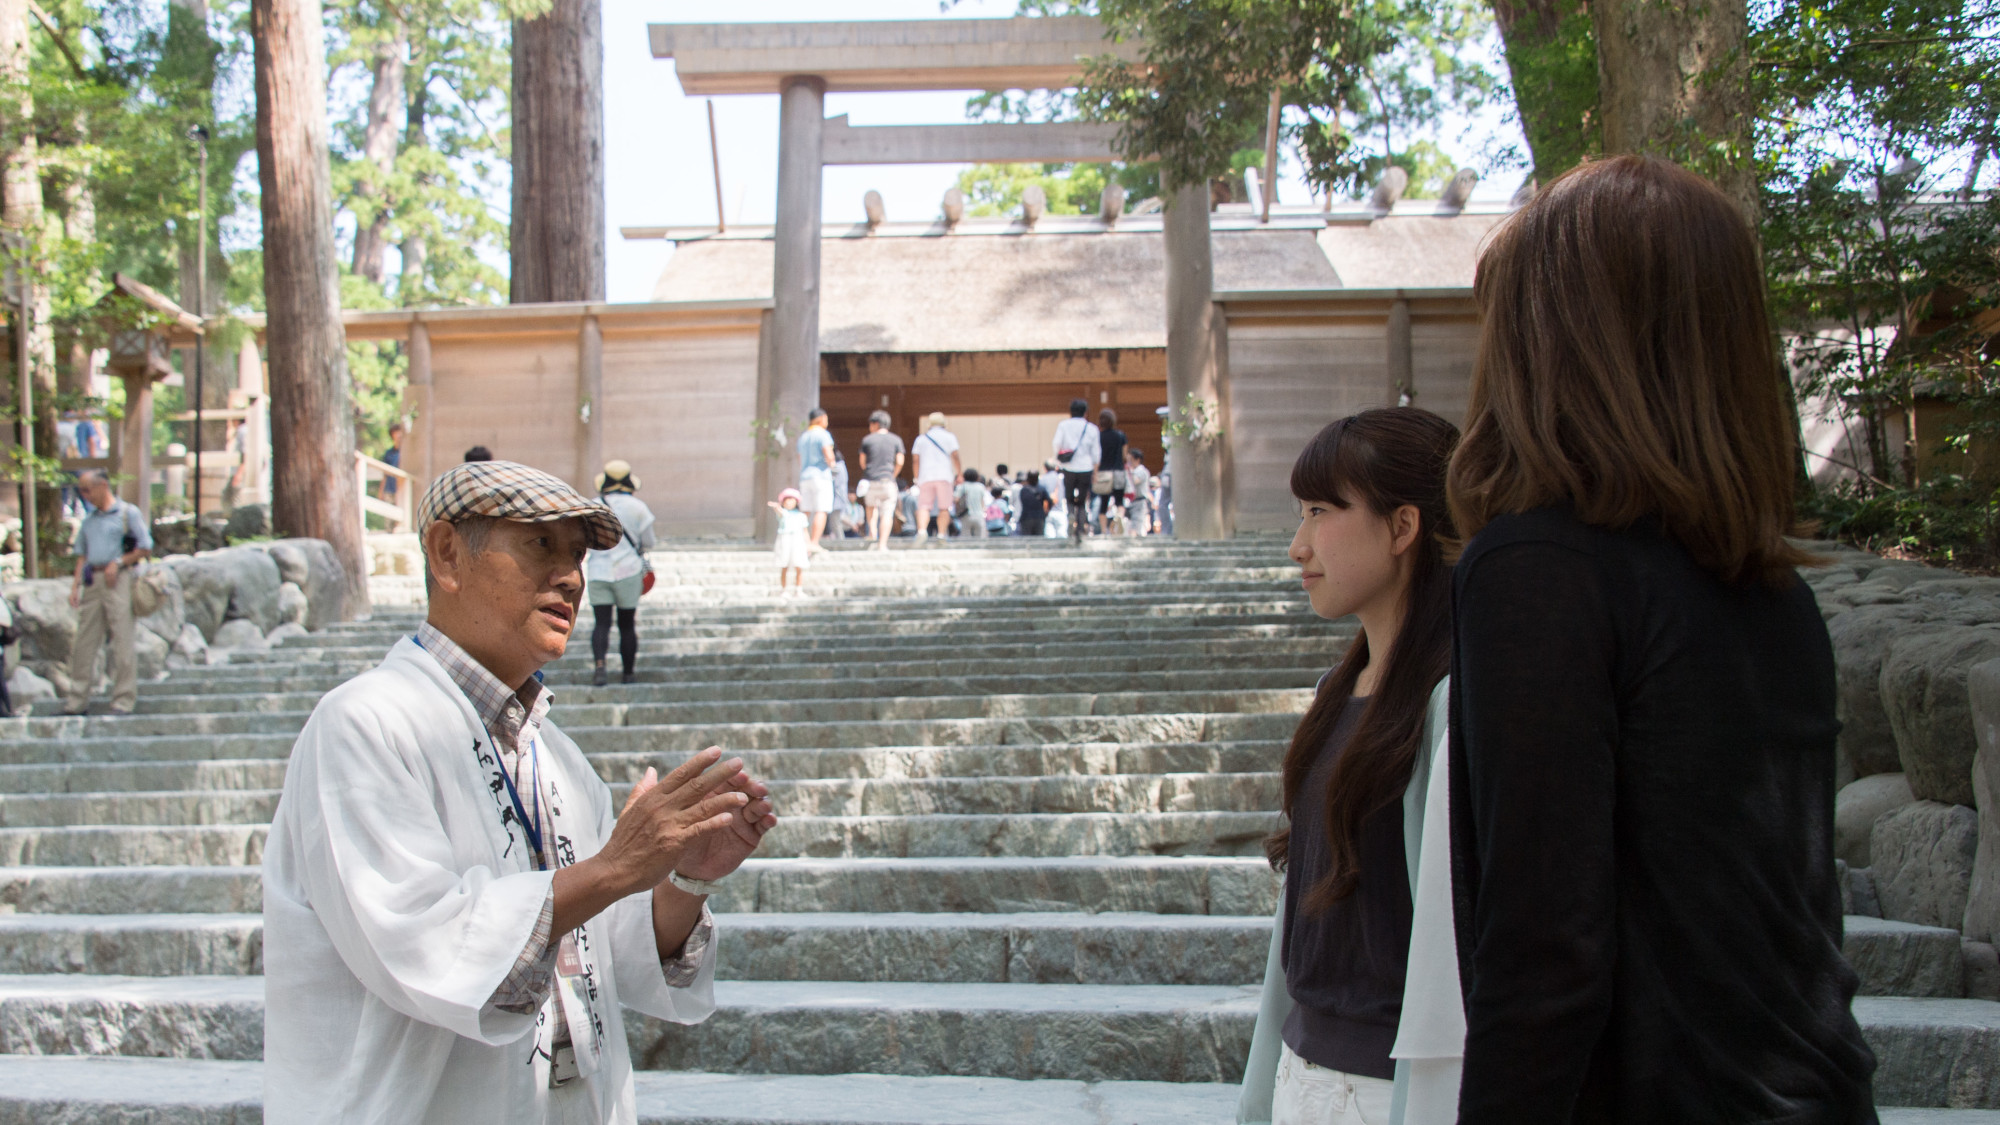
1642 817
1345 965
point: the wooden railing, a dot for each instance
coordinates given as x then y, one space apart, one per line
400 510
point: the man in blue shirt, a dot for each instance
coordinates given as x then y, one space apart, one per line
112 538
816 474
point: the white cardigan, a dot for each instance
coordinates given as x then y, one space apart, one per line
396 901
1430 1037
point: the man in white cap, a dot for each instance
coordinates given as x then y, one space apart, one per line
453 910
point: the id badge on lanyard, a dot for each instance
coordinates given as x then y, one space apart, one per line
579 1052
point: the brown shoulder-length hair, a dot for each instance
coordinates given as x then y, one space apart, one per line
1383 459
1626 369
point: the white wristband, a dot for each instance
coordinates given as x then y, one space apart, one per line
693 886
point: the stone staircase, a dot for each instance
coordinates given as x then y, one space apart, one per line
1018 876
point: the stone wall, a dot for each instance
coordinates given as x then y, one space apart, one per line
1917 818
251 596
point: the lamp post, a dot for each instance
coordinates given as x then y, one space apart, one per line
199 135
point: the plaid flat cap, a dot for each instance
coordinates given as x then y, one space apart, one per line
505 490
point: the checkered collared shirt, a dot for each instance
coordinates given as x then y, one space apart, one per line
513 719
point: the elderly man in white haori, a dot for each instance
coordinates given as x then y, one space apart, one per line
452 912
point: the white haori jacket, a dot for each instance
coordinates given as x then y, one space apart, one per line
397 898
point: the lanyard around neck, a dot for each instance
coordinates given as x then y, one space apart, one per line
534 828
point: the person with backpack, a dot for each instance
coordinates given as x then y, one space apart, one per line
938 472
1034 506
1356 780
617 575
970 506
882 457
1078 450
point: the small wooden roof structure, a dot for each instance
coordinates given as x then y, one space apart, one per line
142 349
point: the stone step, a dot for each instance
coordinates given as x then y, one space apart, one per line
1903 959
62 1090
1011 834
1091 759
679 740
816 797
779 639
1218 602
1074 654
574 674
858 686
1937 1053
1931 1052
1040 948
1214 701
1221 885
130 890
140 945
937 947
1179 1033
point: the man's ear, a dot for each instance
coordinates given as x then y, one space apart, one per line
445 552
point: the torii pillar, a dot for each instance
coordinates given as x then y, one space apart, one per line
794 371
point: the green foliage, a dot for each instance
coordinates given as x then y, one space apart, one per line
1551 52
1882 243
1352 71
1948 519
1072 189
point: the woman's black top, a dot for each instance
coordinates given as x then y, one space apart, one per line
1642 773
1345 965
1111 451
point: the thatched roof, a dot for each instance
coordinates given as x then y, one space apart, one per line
1070 283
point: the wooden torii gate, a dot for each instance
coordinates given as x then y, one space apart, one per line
802 62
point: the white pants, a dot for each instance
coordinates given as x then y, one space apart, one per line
1313 1095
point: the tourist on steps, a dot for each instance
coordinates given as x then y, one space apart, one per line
111 540
882 458
618 574
816 484
455 911
1373 533
793 546
1108 484
938 469
1077 454
1642 765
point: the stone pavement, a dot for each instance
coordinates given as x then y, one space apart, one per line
1018 877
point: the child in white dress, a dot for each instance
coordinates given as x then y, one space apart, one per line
794 546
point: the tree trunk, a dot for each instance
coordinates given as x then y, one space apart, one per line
1552 59
1675 82
556 240
79 226
414 248
312 412
21 213
378 147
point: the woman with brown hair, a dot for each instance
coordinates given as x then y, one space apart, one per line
1642 760
1371 545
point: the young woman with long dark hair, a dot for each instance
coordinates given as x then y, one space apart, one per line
1642 760
1373 532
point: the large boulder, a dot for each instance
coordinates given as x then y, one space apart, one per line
1856 808
239 583
248 521
167 621
190 649
25 688
1924 694
1982 909
239 633
1860 640
152 651
292 605
45 619
1923 862
314 567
